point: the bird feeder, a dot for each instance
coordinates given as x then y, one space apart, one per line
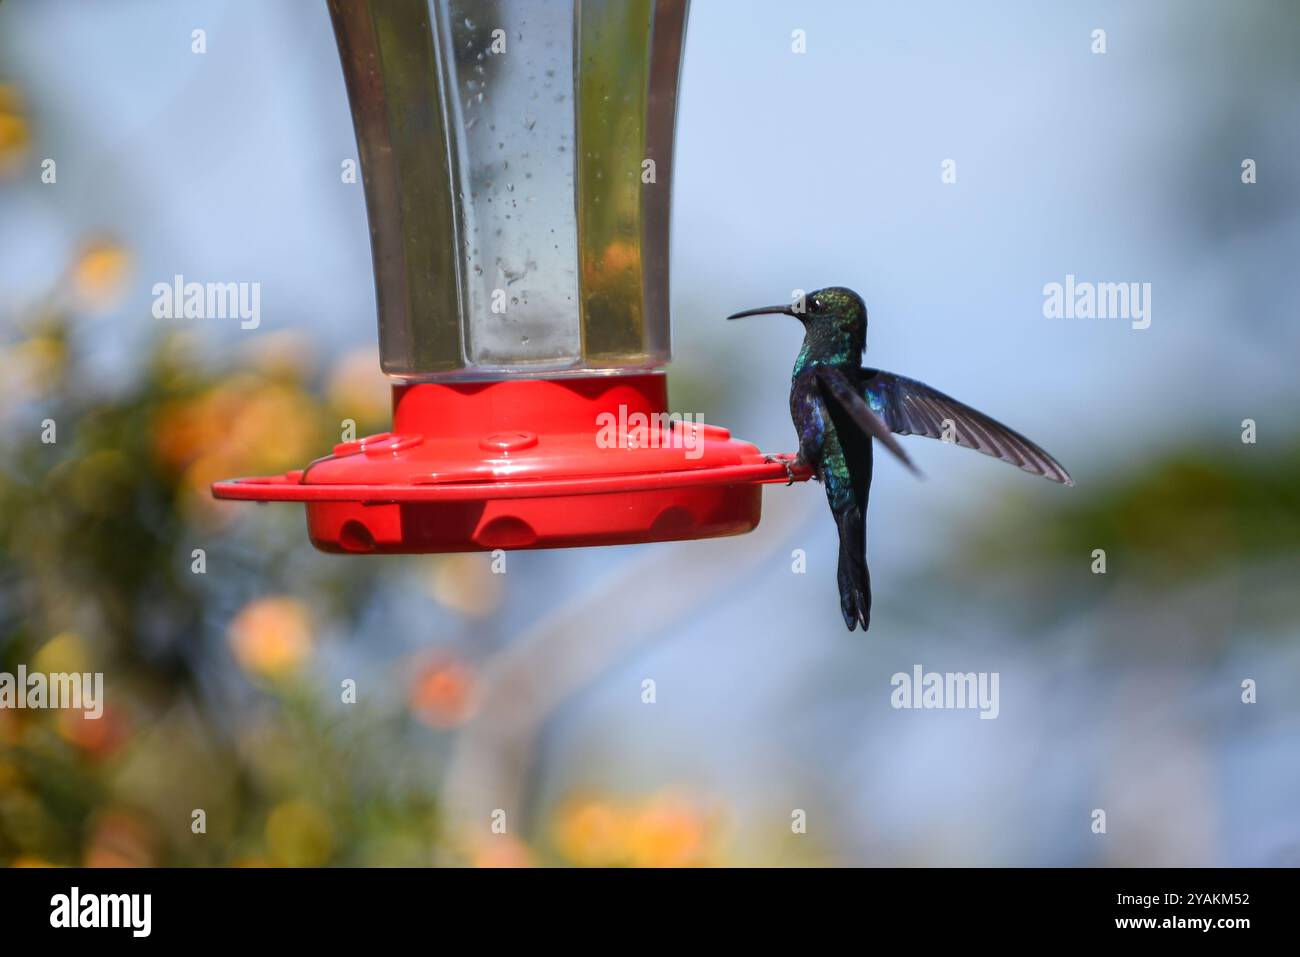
517 160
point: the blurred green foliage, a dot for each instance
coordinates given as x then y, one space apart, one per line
1201 514
103 501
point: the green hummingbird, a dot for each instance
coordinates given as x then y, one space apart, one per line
838 406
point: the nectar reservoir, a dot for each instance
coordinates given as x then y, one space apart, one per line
517 159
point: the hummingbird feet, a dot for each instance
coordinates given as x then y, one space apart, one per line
789 461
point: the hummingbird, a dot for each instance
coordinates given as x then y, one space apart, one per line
839 406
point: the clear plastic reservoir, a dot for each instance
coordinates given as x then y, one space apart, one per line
517 165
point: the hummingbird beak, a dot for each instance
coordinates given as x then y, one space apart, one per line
764 311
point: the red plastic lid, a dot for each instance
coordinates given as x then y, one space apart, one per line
526 463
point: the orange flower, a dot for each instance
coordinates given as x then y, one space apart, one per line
668 832
246 423
271 637
119 838
502 851
664 830
97 737
273 428
442 694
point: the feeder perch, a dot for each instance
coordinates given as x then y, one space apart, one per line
517 166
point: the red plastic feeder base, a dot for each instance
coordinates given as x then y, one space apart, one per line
526 463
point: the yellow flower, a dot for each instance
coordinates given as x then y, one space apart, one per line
285 355
64 653
299 834
99 274
274 428
10 776
271 637
11 730
28 368
15 133
464 582
358 390
593 833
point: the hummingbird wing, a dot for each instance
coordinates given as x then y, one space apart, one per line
840 394
913 408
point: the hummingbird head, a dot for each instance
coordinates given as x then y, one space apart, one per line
834 321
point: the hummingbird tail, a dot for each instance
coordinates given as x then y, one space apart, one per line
854 578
